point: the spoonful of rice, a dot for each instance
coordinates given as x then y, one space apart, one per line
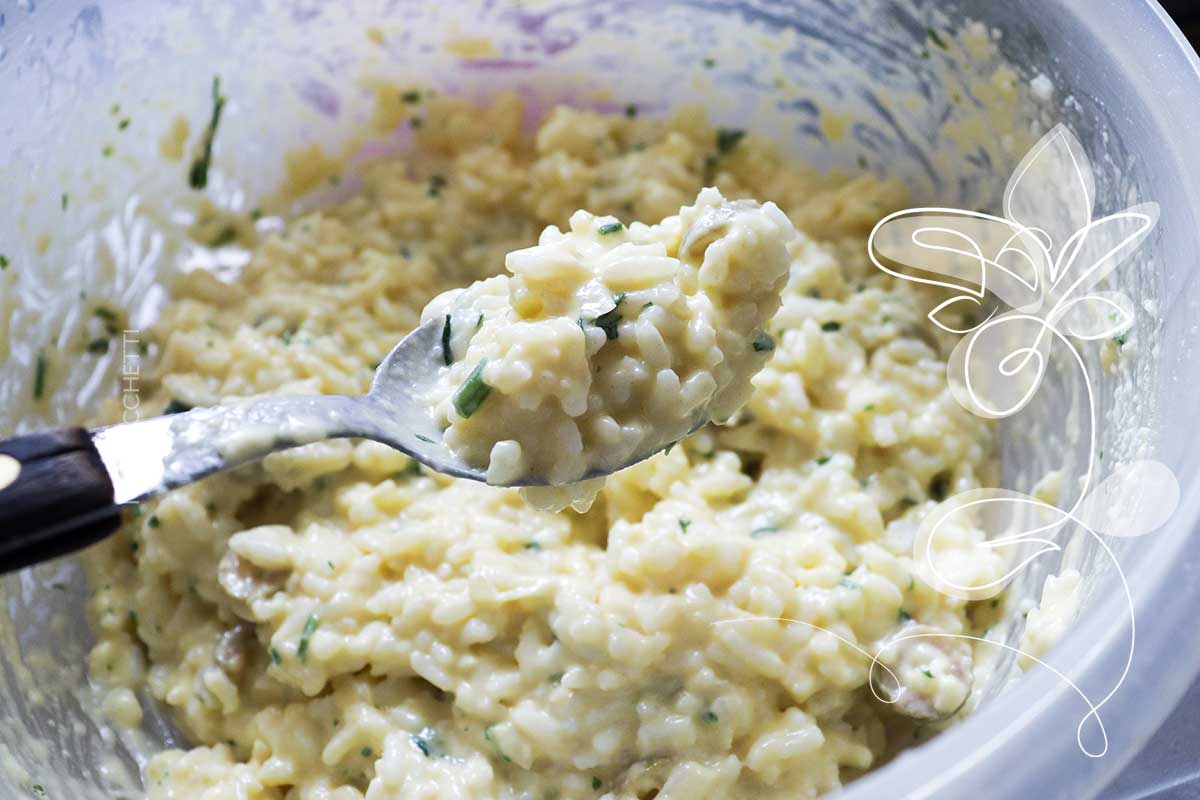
605 344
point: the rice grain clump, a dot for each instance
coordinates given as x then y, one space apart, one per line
337 622
609 342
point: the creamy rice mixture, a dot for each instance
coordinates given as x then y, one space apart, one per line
337 623
609 342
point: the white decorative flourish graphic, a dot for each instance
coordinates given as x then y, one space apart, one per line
1042 259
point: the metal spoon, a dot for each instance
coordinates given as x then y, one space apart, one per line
62 490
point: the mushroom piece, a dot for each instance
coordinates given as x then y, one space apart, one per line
230 650
923 672
245 583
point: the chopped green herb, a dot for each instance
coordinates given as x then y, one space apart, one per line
849 584
765 530
684 523
415 123
256 213
869 407
862 162
436 184
39 377
670 447
904 616
479 322
38 790
709 717
66 199
98 346
154 521
123 124
276 659
596 784
421 744
927 673
176 407
609 320
473 392
937 39
425 439
105 314
823 460
631 111
487 734
995 602
1121 339
609 227
116 109
647 305
447 355
938 487
709 63
310 627
106 151
3 262
411 96
531 546
286 338
198 174
367 752
727 139
763 343
224 236
830 327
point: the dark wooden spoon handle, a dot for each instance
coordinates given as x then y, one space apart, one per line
55 497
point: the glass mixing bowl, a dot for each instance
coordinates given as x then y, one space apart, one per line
835 81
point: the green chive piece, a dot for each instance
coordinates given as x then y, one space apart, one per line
830 327
276 659
609 320
39 377
904 615
631 111
709 717
366 752
765 530
310 627
709 63
198 173
823 460
411 96
609 227
596 784
3 262
684 523
849 584
66 199
727 139
472 393
447 356
763 343
421 744
436 184
98 346
154 521
927 673
487 734
937 39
